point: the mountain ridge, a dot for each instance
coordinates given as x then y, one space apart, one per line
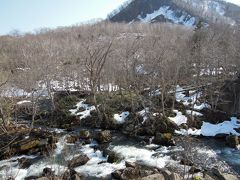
186 12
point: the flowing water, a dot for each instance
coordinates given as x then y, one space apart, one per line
202 152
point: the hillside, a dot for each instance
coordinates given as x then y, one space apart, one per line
186 12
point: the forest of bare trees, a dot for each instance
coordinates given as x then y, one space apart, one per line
101 56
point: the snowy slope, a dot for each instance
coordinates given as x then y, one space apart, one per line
237 2
186 12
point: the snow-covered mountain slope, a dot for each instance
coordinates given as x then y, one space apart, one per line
237 2
186 12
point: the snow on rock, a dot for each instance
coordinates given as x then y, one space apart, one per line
179 118
181 97
87 110
201 106
120 118
23 102
194 113
194 132
141 156
144 114
226 127
208 129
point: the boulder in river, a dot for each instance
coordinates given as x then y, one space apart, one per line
164 139
78 161
47 172
223 176
71 174
85 134
130 173
72 139
104 136
232 141
113 157
157 176
186 162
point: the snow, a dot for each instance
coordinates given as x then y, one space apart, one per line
14 92
208 129
194 132
169 14
194 113
237 2
23 102
120 118
144 113
87 110
181 97
179 119
201 106
226 127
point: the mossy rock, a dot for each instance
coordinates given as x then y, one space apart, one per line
85 134
66 103
29 145
164 125
164 139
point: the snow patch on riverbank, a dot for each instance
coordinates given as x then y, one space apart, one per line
83 114
179 118
120 118
208 129
226 127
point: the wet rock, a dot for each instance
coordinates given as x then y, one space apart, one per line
104 136
26 141
117 174
43 178
71 174
164 125
232 141
154 177
194 170
113 157
29 144
24 163
164 139
130 173
86 141
145 172
169 175
186 162
31 177
166 173
71 139
223 176
130 164
207 177
183 126
175 176
47 172
214 116
78 161
85 134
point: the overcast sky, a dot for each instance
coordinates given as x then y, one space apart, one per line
29 15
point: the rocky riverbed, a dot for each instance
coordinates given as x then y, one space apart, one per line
97 154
